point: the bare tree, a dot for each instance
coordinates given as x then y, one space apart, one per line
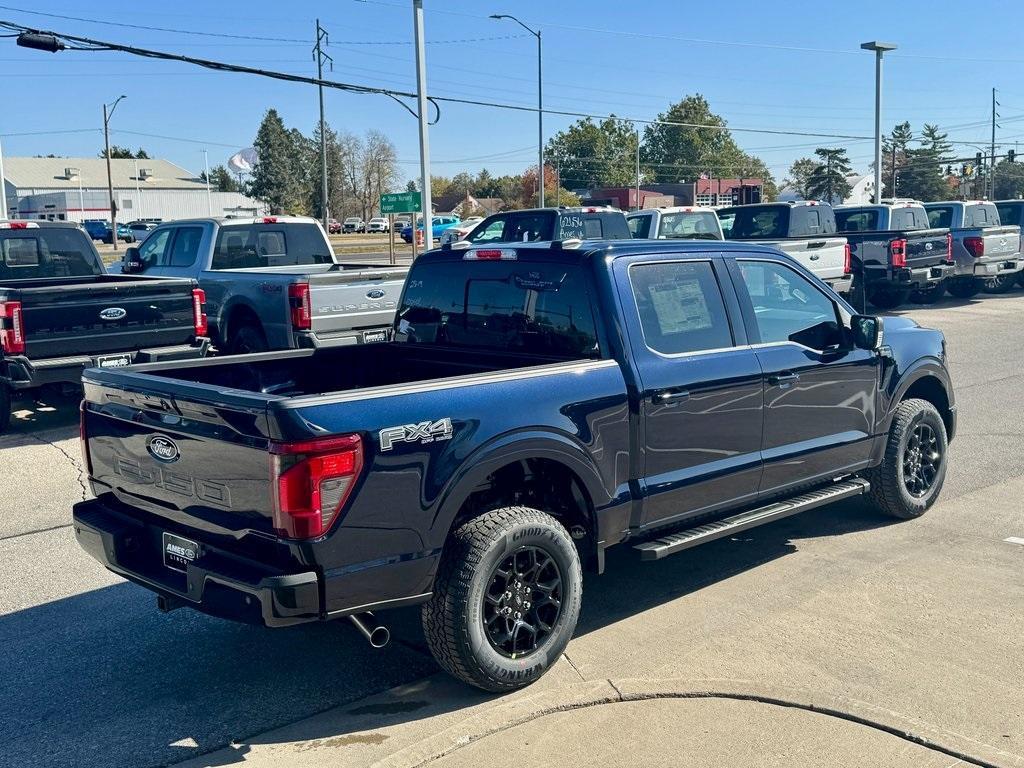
379 169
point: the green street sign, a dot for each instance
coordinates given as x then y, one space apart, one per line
401 202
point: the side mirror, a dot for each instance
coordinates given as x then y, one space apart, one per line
132 263
867 331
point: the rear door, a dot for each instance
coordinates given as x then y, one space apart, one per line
820 394
700 392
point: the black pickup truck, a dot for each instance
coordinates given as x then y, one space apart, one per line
895 253
60 313
537 405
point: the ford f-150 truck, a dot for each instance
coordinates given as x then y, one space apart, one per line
1011 212
987 254
675 223
273 282
895 254
803 229
537 405
60 312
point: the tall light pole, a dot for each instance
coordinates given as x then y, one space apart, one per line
879 48
209 198
3 185
107 114
540 102
421 102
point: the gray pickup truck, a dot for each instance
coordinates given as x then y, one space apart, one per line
986 253
273 282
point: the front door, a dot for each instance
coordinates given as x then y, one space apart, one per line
820 393
700 391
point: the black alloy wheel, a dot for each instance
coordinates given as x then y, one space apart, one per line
921 460
523 602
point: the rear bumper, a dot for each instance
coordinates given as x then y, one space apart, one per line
998 267
344 339
842 284
215 583
908 278
25 373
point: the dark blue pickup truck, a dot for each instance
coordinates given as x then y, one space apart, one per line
537 405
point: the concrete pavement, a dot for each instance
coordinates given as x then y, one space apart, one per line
912 627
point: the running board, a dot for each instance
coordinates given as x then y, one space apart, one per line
691 537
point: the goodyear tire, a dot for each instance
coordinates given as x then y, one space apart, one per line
247 339
506 599
913 469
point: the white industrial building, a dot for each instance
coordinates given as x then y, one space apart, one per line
75 189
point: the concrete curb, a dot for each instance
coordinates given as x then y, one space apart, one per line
522 710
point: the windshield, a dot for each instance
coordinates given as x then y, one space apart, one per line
46 252
755 221
543 309
282 244
689 225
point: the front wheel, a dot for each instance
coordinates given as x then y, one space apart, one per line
913 469
964 287
506 599
1001 283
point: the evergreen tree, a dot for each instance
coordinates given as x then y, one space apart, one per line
221 179
897 141
828 179
271 175
335 170
923 176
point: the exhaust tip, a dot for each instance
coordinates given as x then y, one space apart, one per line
376 634
379 637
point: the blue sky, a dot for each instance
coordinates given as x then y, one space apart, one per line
763 65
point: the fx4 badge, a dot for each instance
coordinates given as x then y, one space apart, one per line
424 432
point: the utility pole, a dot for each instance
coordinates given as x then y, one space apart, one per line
3 185
320 56
558 182
110 181
426 203
828 176
992 160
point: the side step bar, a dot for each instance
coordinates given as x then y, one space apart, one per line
691 537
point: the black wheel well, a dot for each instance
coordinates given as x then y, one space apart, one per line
544 484
930 388
240 315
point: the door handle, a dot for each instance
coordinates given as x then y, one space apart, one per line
783 378
670 396
816 244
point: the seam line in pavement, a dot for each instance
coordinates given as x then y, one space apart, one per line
35 531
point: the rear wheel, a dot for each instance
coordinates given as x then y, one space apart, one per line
964 287
506 599
913 469
247 339
1001 283
888 298
929 295
5 408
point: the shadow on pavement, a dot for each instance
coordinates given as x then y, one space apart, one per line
103 679
53 413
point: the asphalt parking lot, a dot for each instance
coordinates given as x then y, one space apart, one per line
920 619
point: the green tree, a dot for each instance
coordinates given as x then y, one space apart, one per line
923 176
271 179
335 179
125 153
591 154
1009 180
799 176
828 179
676 152
221 179
897 141
553 194
411 186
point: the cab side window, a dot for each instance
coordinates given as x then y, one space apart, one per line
151 254
185 248
788 307
492 233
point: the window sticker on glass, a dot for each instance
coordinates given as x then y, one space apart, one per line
680 306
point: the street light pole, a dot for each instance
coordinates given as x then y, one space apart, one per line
540 102
421 101
107 114
879 48
3 185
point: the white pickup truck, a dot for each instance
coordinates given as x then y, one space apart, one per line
804 230
675 223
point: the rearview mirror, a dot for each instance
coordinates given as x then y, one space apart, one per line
132 263
867 331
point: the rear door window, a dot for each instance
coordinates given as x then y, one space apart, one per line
151 254
687 225
1009 213
493 232
640 225
857 221
45 252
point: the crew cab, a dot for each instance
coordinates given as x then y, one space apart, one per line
895 254
675 223
61 313
987 254
803 229
539 225
272 282
537 405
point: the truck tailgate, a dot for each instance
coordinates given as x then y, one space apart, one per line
175 454
355 298
1001 242
107 314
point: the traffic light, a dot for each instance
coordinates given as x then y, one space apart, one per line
1011 156
949 170
977 160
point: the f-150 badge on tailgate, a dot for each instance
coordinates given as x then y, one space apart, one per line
424 432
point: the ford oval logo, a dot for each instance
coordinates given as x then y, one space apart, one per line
112 313
928 246
162 448
376 293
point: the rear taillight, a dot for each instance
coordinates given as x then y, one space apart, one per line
311 482
301 307
12 328
270 220
847 260
198 316
975 246
898 252
949 248
84 439
18 225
